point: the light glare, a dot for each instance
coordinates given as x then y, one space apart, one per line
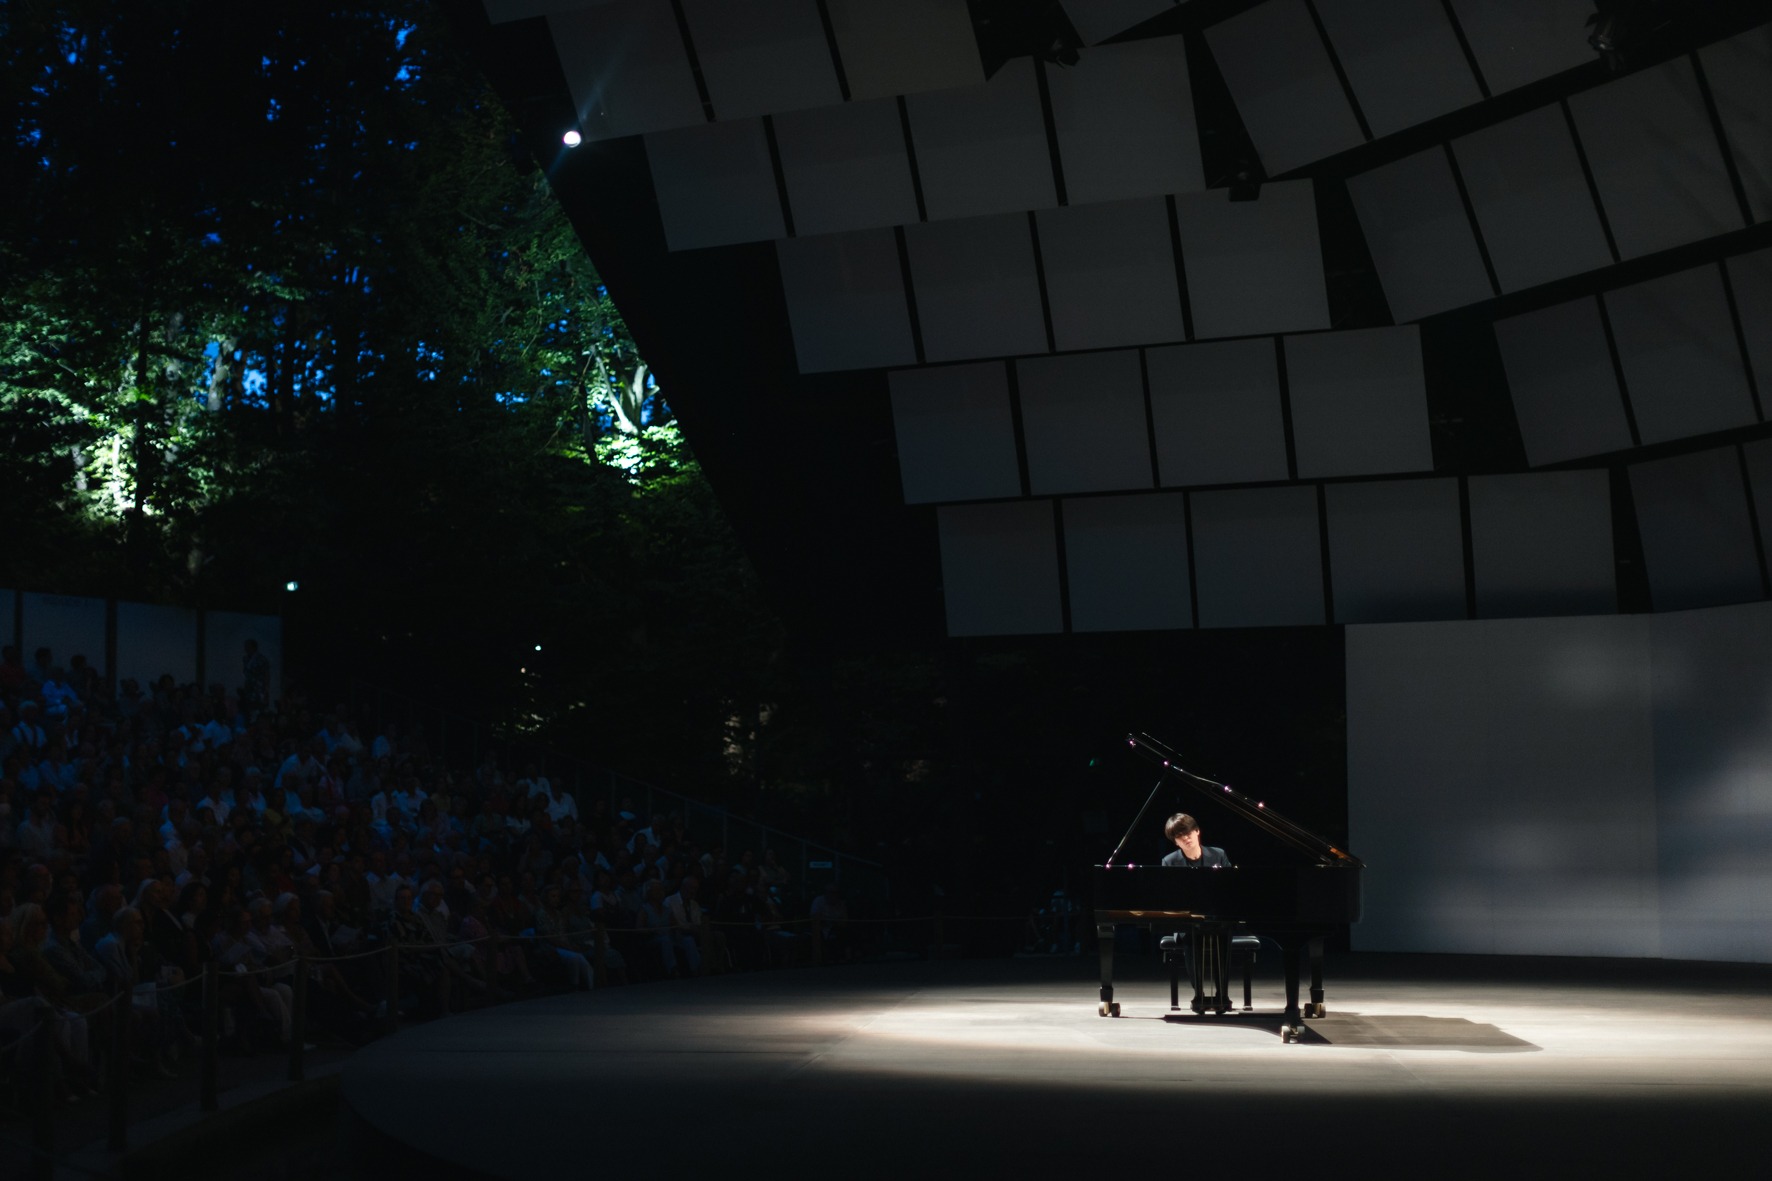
572 139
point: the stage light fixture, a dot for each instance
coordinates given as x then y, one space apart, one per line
292 586
572 138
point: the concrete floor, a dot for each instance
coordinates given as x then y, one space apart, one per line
1424 1068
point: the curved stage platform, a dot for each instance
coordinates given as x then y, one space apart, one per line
1423 1067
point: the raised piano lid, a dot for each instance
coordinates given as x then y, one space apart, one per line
1257 812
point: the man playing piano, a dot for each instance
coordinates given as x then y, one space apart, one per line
1184 830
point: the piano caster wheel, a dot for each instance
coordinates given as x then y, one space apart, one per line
1110 1009
1315 1010
1288 1033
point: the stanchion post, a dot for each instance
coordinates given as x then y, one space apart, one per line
40 1041
211 1035
119 1130
393 986
298 1018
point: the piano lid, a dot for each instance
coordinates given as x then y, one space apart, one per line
1255 811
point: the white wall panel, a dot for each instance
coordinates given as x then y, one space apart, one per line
224 648
1359 402
1541 544
1125 120
1279 74
983 149
846 167
1082 421
1698 543
1258 557
154 640
846 301
1396 551
1740 75
1532 202
1750 278
956 432
1564 387
1521 41
715 184
1097 20
1216 409
1420 236
68 625
1253 266
1110 274
999 569
1402 60
1655 159
1126 558
1682 364
905 46
762 56
627 68
977 292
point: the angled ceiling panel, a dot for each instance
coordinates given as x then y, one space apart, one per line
1655 159
1258 557
1216 410
846 167
1110 274
1359 402
1126 562
1740 74
1125 120
905 46
1758 457
1420 236
1396 551
978 294
1402 59
1521 41
715 184
1284 85
1097 20
955 431
627 67
999 569
762 56
1682 364
1541 544
846 301
1082 417
1564 387
1532 202
1750 278
1698 541
1253 266
983 149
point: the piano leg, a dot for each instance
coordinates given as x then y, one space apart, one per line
1315 1008
1292 1022
1104 938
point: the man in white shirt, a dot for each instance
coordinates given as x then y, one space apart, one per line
561 805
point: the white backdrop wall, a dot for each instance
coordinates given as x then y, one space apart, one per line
153 640
1565 786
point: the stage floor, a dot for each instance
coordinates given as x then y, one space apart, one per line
1424 1067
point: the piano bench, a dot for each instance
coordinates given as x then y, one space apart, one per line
1243 951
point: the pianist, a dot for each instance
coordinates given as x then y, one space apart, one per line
1184 830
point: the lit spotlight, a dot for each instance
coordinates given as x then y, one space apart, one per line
292 586
572 138
538 647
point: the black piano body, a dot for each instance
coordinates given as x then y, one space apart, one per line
1294 905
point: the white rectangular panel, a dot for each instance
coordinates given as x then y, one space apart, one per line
1216 408
1564 387
1750 278
905 46
1284 86
1759 476
1359 402
1110 274
1082 420
762 56
846 301
1682 363
846 167
999 569
1698 542
1253 266
68 625
1740 74
1097 20
1402 60
1655 159
1258 557
1126 558
1125 120
1532 202
1502 772
154 640
956 432
627 68
224 648
1420 236
1396 551
1542 544
715 184
977 292
1521 41
1712 682
983 149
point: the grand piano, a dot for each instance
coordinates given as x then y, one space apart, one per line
1294 905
